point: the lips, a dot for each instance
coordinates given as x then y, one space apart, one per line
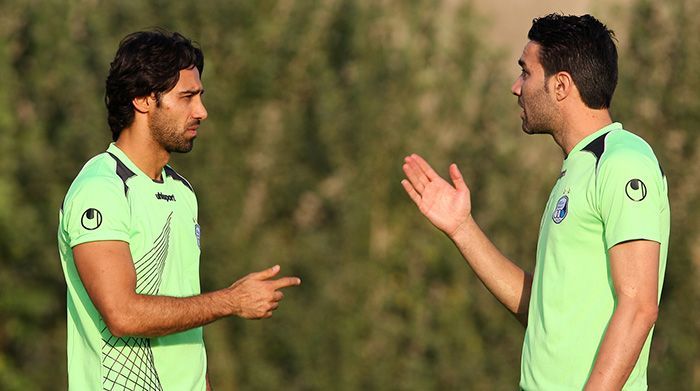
192 128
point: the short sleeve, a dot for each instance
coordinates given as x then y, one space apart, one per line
96 209
630 194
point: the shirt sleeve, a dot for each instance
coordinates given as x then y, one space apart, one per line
630 194
96 209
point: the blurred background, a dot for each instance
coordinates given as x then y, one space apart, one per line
312 107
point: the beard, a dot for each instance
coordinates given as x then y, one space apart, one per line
166 133
539 117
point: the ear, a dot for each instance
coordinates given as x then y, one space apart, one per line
143 104
563 85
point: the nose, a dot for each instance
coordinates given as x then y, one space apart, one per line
516 88
200 112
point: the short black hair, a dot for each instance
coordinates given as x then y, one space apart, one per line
147 62
583 47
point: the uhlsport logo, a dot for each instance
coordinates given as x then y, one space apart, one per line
561 210
92 218
165 197
636 190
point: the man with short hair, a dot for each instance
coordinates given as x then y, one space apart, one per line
129 236
592 301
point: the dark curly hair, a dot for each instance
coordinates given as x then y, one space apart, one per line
582 46
147 62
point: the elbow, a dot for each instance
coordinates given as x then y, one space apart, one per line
647 314
122 317
120 320
118 325
638 314
653 314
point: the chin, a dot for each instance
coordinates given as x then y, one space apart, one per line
526 129
184 148
535 130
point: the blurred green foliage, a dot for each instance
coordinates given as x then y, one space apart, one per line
313 105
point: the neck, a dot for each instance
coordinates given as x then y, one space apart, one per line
579 124
143 151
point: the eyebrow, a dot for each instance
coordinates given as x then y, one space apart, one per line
192 92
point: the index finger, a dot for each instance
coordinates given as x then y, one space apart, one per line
425 167
285 282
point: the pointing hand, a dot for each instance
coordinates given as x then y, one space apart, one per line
256 295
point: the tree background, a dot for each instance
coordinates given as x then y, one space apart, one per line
313 105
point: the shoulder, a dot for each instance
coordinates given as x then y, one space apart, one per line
626 150
627 143
174 175
97 177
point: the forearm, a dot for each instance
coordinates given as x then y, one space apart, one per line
509 283
152 316
106 270
624 338
445 206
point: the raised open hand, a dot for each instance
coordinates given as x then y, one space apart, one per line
446 206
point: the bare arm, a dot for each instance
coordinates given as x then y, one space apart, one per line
635 272
107 272
509 283
449 209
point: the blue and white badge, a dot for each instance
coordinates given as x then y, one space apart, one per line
198 234
561 210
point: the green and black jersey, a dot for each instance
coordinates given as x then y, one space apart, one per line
111 199
611 189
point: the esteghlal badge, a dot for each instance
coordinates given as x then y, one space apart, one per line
561 210
197 233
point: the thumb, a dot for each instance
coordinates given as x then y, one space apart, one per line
266 274
457 178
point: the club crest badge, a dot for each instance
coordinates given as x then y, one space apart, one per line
561 210
198 233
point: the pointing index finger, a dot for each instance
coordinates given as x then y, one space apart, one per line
285 282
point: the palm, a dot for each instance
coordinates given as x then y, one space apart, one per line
446 206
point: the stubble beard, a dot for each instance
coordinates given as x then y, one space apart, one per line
539 116
167 135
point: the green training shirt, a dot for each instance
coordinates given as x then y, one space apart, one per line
111 199
611 189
